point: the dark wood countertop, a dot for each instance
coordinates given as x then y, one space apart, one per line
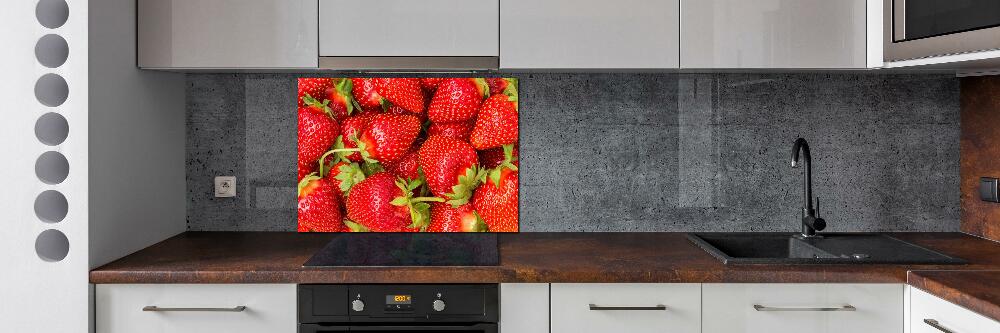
978 291
277 257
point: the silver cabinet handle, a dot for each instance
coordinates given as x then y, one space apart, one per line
594 307
848 307
159 309
935 324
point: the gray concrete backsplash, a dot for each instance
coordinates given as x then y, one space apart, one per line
639 152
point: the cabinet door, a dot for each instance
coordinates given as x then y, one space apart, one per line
626 307
773 34
408 28
524 308
189 308
587 34
227 34
817 308
930 314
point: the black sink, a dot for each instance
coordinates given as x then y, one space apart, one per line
786 248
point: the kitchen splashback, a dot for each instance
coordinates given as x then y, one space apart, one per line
640 152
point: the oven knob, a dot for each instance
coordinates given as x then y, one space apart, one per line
358 305
438 305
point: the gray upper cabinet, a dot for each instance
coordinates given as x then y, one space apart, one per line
589 34
774 34
206 34
409 28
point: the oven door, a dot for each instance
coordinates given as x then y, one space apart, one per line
926 28
474 328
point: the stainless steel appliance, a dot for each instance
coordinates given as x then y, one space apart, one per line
916 29
384 308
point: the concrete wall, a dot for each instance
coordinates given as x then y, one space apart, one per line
640 152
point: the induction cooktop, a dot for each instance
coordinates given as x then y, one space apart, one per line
408 249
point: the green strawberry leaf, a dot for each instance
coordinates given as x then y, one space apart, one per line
371 168
484 88
420 214
355 227
344 88
481 225
462 192
400 201
324 105
349 175
511 90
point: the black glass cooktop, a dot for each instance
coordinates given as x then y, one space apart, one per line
408 249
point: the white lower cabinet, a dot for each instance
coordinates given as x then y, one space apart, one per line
626 307
930 314
196 308
524 307
816 308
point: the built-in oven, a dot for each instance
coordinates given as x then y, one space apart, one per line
385 308
928 28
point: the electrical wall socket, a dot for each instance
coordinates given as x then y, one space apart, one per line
225 187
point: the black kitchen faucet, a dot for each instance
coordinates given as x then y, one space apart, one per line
810 221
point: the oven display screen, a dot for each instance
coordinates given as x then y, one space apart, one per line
398 299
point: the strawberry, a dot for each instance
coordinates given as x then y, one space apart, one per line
395 109
496 124
340 102
382 203
306 169
319 205
493 157
445 218
315 87
341 174
458 131
451 167
498 85
496 199
317 132
407 167
352 128
388 137
457 100
404 92
430 83
365 94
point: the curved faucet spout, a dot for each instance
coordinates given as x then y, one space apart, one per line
810 222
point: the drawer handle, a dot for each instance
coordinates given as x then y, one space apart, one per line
660 307
848 307
154 308
935 324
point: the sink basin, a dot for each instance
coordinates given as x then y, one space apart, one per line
785 248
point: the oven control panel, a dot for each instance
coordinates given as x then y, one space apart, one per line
399 303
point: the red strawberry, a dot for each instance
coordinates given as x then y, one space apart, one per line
404 92
352 128
382 203
317 132
451 167
319 205
496 124
445 218
493 157
364 92
341 104
458 131
457 100
342 175
407 167
496 200
498 85
388 137
430 83
315 87
395 109
306 169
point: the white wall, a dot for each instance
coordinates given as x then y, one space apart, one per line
137 187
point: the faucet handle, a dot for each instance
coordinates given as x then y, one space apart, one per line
817 206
